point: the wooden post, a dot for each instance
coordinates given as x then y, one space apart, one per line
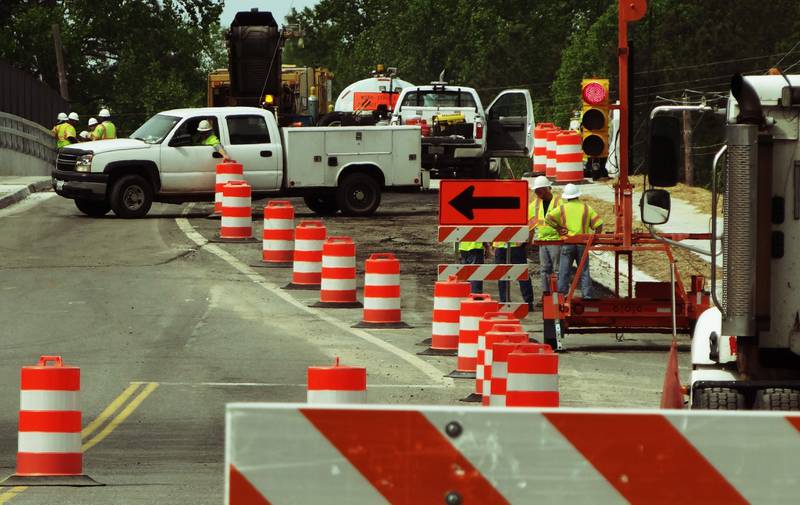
62 73
687 146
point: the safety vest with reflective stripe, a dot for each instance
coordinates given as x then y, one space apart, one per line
105 130
531 218
577 217
537 218
64 133
469 246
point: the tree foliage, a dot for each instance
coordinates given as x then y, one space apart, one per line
136 56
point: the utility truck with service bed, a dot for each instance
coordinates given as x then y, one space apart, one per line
458 136
337 168
746 350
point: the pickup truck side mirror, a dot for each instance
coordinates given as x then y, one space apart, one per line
663 155
655 206
181 140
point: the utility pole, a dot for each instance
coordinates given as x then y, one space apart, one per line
62 73
687 146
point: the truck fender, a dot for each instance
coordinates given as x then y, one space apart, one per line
146 168
368 167
709 346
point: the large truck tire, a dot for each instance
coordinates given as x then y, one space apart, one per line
777 399
719 399
131 197
358 195
322 204
331 119
92 208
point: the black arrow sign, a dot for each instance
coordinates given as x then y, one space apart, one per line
466 202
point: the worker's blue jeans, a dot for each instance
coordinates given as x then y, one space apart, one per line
473 257
573 253
549 258
516 256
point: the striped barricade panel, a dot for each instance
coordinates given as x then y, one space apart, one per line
483 233
292 453
492 272
520 310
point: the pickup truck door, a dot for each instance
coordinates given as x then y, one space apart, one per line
510 124
250 143
187 166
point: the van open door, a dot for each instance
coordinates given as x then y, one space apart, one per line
510 124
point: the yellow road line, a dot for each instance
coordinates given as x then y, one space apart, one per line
11 493
109 410
120 418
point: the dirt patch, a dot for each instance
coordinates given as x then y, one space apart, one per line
699 198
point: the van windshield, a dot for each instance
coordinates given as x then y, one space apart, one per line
155 129
438 98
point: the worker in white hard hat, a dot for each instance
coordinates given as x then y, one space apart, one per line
85 136
60 120
105 129
206 137
574 217
544 200
67 134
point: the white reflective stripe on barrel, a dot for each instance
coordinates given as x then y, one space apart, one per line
307 267
371 303
338 284
327 396
381 279
278 245
37 441
467 350
532 382
278 224
236 201
500 369
447 303
236 222
338 261
48 400
308 245
468 323
444 328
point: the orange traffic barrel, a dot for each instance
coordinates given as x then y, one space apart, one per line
237 218
569 157
447 296
550 164
309 236
382 292
532 379
540 148
277 241
226 172
473 308
336 384
338 283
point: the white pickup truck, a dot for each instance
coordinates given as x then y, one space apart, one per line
337 168
460 136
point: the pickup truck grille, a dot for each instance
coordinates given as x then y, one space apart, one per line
68 157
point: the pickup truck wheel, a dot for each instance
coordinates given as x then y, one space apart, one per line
131 197
324 205
358 195
92 208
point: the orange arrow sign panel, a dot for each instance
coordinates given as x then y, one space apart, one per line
483 202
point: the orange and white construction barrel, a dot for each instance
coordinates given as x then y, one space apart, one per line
472 309
338 284
550 143
569 157
382 292
540 148
447 296
237 217
532 378
309 237
499 380
226 171
486 324
336 384
500 333
277 241
49 444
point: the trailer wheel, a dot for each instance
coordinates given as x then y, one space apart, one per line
718 399
777 399
331 119
322 204
358 195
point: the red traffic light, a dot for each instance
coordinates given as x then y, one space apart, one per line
594 93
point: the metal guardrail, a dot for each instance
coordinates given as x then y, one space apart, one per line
19 134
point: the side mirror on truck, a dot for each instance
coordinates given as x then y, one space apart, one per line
663 154
655 206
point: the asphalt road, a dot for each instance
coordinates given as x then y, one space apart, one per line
168 328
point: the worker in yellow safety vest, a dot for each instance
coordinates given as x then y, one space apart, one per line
105 129
67 134
472 253
574 217
549 255
206 137
62 118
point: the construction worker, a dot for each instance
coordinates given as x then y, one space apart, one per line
573 217
472 253
62 118
205 137
543 201
93 129
67 134
106 129
514 253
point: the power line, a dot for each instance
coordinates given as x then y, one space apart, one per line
787 53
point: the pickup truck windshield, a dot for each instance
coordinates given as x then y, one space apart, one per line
155 129
438 98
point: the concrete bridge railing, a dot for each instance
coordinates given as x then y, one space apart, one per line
26 148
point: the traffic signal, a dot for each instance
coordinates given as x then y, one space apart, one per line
594 117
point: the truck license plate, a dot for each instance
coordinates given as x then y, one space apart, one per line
59 185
